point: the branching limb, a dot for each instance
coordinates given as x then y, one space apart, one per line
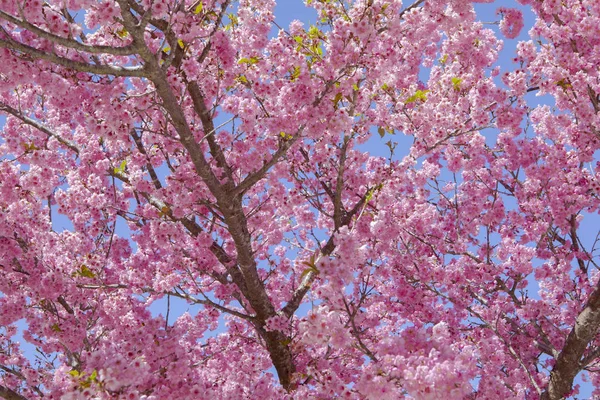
37 125
207 302
19 375
569 361
253 178
356 332
9 394
207 124
68 43
140 146
290 308
36 54
338 208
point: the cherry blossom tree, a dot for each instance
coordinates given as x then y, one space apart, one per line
204 153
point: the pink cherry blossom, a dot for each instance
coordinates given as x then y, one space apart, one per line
512 22
199 201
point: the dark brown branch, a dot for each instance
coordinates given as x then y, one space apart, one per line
568 363
140 146
158 23
208 302
290 308
72 64
61 300
338 208
69 43
209 128
412 6
9 394
356 332
14 112
186 136
575 242
256 176
20 376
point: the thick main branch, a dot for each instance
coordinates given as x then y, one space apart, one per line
568 363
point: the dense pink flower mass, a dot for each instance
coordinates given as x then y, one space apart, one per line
512 22
376 206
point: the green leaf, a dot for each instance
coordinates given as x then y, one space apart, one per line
314 32
355 87
181 44
122 33
381 131
285 136
311 264
564 84
198 8
420 95
299 39
74 373
165 210
307 271
250 61
242 79
392 146
85 272
29 147
338 97
94 375
295 73
456 83
121 168
234 21
444 59
85 384
56 328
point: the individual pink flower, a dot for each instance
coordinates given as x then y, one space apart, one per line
512 21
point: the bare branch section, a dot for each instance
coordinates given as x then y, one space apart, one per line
568 364
290 308
65 42
37 125
208 125
253 178
72 64
9 394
